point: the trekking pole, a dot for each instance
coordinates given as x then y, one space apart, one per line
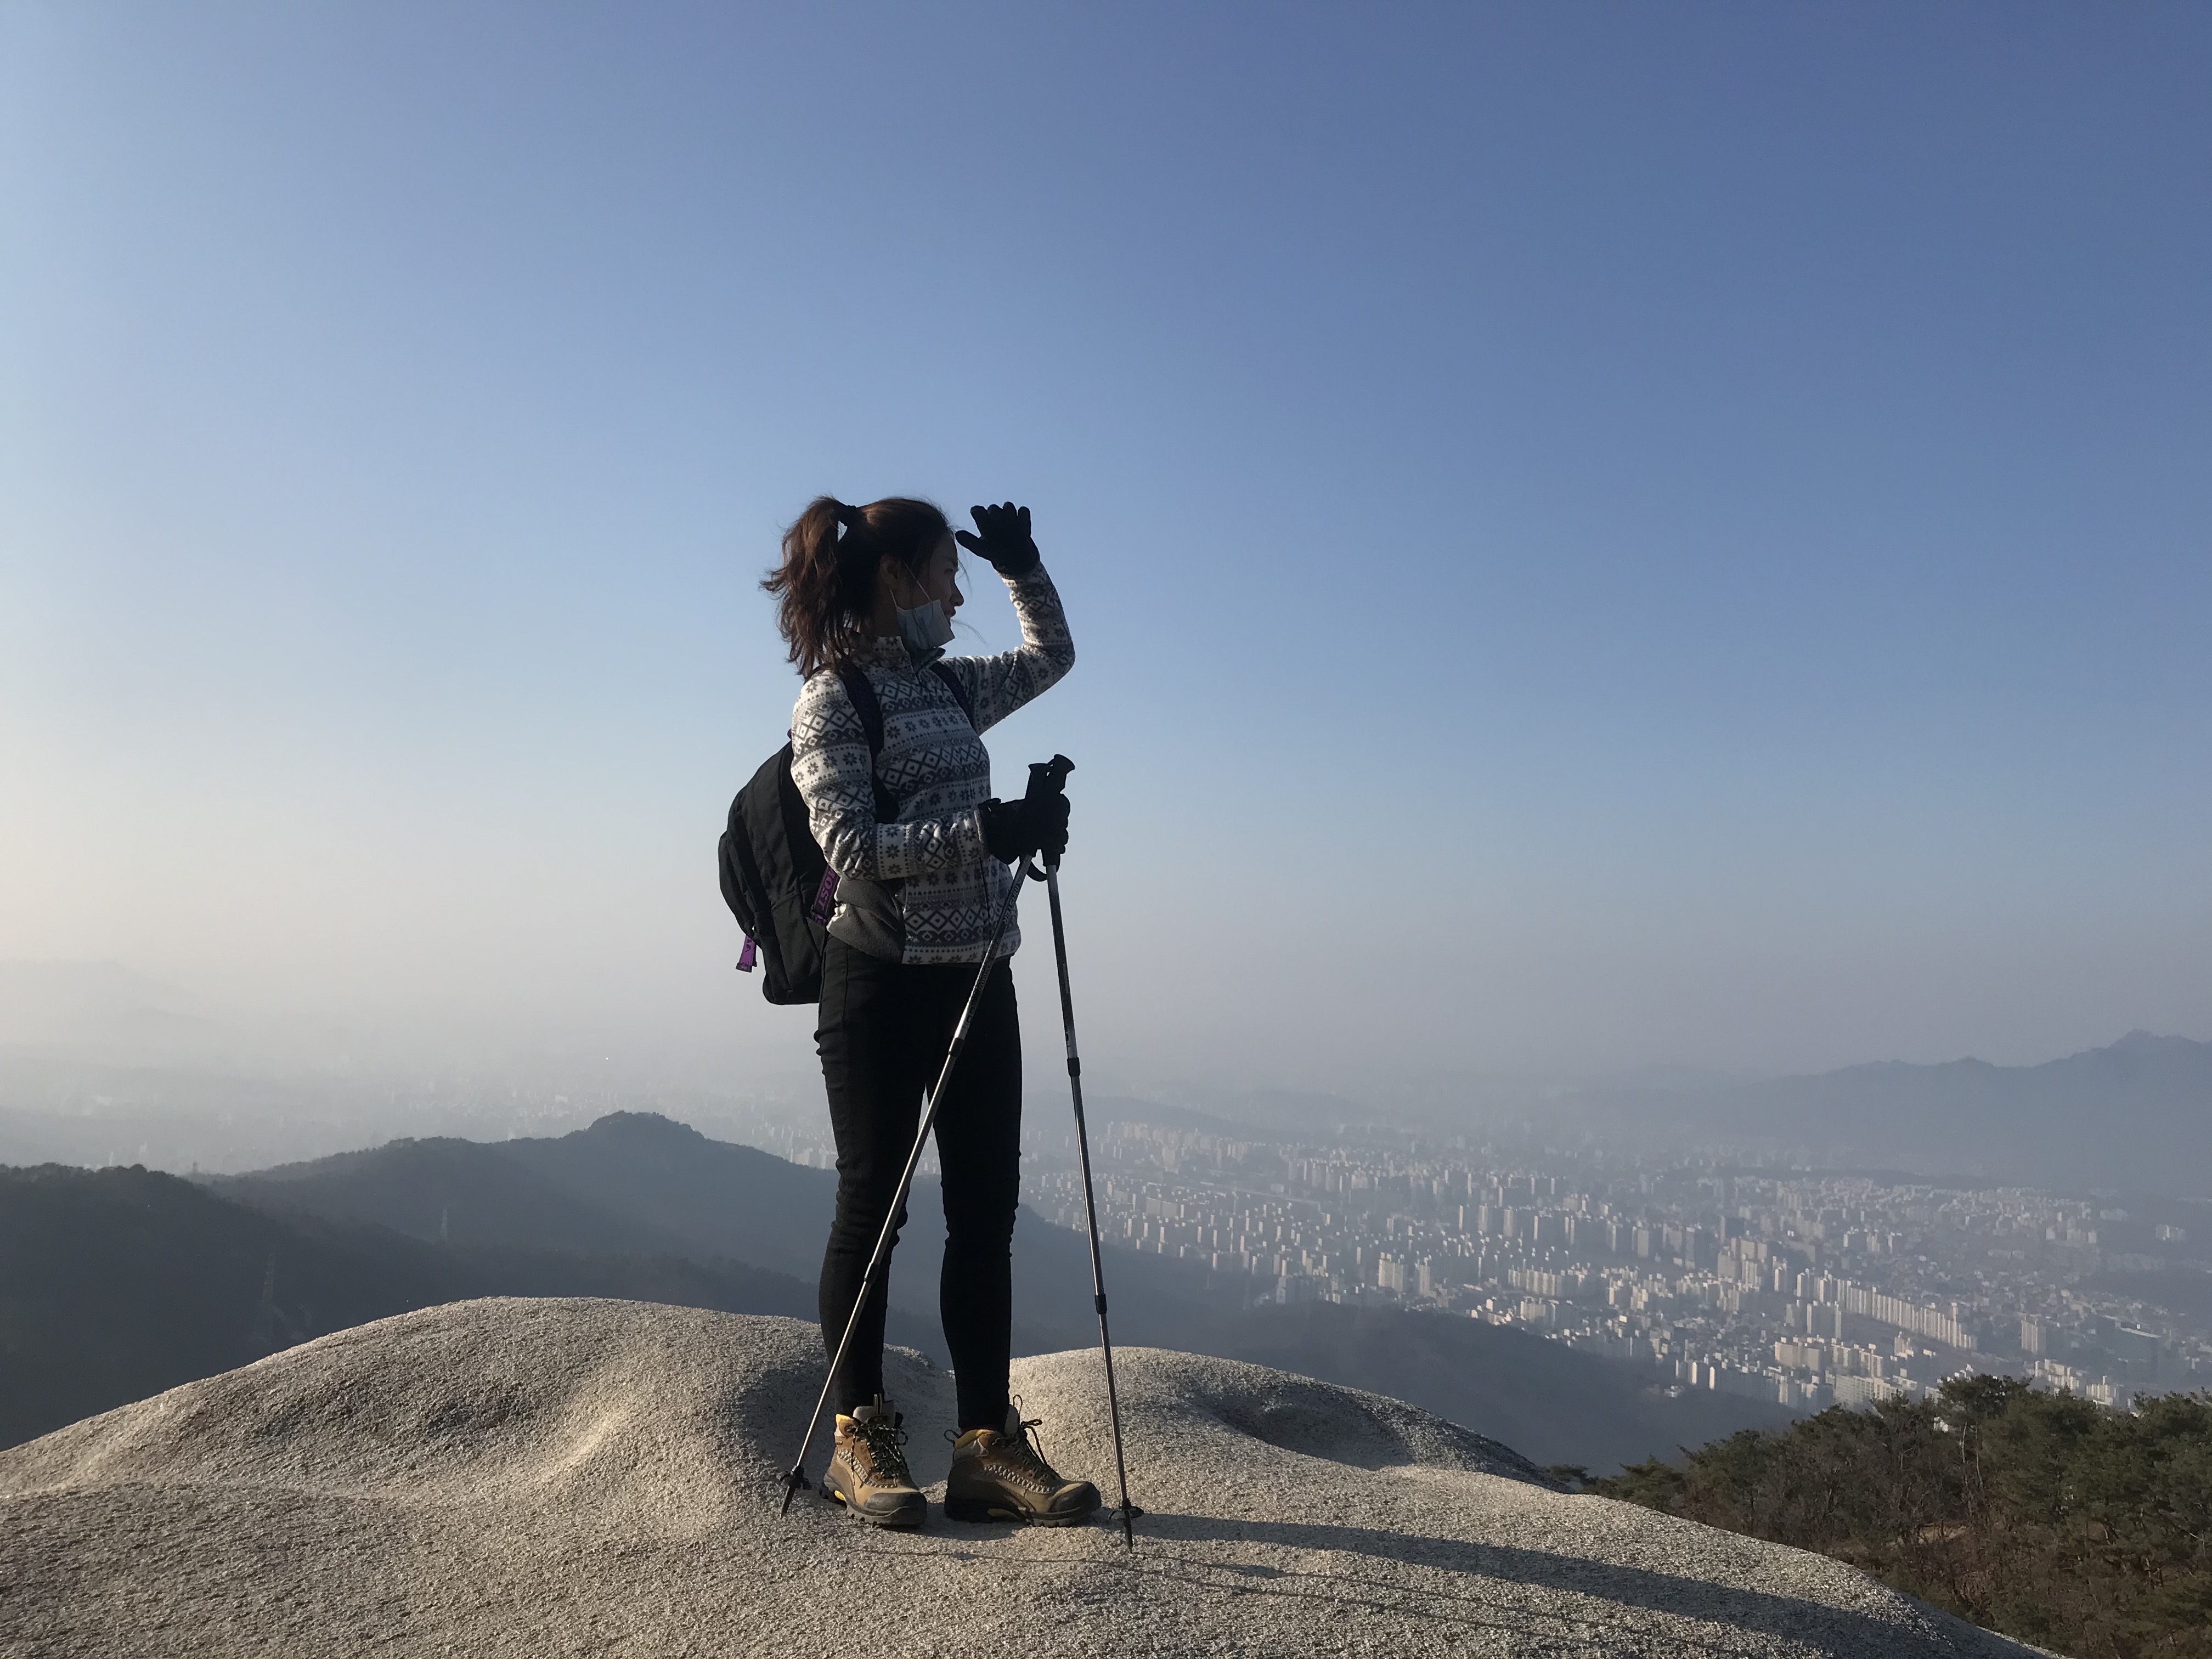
1128 1511
797 1478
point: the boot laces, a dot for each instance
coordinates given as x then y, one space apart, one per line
885 1442
1026 1453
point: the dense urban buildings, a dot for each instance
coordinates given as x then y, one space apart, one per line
1806 1288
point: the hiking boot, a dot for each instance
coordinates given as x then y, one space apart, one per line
867 1471
1000 1474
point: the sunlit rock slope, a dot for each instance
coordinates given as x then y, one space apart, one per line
541 1477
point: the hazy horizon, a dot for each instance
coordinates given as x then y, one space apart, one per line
1595 540
105 1011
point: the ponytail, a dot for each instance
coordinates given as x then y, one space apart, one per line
825 584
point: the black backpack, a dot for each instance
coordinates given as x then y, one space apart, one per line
774 879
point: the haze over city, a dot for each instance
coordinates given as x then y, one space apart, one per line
1595 540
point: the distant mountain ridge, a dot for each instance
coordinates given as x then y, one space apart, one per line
95 1002
121 1283
2134 1114
640 1183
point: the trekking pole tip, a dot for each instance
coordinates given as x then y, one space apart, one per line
791 1483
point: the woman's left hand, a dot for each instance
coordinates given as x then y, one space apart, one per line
1003 538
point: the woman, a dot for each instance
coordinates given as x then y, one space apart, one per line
921 852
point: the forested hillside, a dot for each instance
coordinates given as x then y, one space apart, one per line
2043 1517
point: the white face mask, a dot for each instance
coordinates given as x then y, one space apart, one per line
926 627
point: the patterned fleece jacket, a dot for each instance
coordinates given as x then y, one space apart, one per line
930 857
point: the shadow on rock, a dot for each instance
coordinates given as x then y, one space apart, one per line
1785 1616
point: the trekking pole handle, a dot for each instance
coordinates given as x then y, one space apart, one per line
1048 778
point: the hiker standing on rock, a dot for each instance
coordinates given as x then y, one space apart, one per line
898 796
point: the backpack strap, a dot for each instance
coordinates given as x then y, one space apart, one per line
944 671
864 704
870 711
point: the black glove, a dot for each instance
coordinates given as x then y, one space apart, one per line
1014 830
1003 538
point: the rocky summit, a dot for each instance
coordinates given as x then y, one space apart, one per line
543 1477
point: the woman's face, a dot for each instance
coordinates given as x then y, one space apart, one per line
939 579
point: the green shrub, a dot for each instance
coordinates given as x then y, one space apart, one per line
2041 1516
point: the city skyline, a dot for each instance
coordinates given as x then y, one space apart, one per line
1797 1288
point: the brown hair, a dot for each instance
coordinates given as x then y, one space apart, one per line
826 584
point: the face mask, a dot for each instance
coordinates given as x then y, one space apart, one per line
926 627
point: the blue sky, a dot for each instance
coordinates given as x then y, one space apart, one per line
1595 535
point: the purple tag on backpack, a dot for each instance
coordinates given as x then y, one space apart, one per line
746 957
825 898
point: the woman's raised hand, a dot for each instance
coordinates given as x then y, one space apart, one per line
1002 535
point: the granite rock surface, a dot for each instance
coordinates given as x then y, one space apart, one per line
553 1477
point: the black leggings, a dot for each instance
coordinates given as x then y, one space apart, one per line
882 1033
